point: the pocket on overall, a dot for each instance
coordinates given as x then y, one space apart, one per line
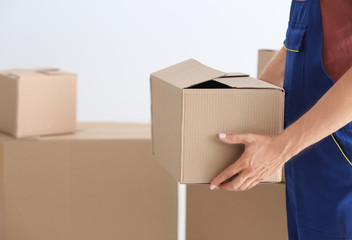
341 150
324 186
294 72
294 37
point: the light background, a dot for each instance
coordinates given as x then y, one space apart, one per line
114 45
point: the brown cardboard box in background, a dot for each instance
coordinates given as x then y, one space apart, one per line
258 213
99 183
264 56
191 103
36 102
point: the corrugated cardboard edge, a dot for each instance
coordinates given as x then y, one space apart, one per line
260 64
176 174
281 128
283 124
151 112
16 130
12 131
182 139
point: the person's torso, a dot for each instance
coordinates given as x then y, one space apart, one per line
337 36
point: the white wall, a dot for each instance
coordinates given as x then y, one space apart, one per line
114 45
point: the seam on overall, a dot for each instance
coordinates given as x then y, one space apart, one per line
340 148
292 50
299 200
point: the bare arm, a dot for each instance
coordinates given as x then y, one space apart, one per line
264 155
274 71
330 113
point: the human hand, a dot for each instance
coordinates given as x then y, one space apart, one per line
263 156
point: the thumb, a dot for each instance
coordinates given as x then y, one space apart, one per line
233 138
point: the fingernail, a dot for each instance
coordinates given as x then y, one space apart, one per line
222 135
212 187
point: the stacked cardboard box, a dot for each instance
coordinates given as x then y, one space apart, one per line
98 183
258 213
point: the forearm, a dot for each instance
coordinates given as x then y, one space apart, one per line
274 71
330 113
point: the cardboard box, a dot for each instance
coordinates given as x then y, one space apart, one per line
264 56
37 102
191 103
99 183
258 213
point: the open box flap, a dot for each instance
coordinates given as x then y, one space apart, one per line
235 74
187 73
245 82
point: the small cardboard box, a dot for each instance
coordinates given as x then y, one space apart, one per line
191 103
36 102
99 183
258 213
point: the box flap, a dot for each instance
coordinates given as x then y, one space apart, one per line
187 73
235 74
245 82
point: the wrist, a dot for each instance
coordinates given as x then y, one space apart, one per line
289 144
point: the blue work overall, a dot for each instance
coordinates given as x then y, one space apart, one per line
319 178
